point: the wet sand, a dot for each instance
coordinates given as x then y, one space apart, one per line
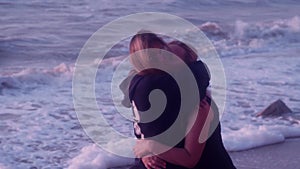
285 155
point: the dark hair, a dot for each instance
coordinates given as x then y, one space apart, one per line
190 53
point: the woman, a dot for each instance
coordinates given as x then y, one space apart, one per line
189 152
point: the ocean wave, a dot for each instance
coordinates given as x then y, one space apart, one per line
31 78
244 38
217 3
267 30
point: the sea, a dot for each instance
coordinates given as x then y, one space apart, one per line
258 42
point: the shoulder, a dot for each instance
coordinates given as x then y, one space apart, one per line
151 79
200 70
144 84
198 64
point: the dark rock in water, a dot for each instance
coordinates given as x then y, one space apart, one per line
277 108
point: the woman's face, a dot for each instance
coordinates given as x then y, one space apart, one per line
158 46
177 50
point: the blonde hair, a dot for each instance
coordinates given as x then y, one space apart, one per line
140 42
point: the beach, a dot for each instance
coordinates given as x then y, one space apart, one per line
257 42
282 155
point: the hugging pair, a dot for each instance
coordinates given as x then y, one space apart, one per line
168 137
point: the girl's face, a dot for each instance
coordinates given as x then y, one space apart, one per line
158 45
177 50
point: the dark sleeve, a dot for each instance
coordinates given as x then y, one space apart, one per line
124 86
139 92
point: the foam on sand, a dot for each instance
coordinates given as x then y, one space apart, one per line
93 157
255 136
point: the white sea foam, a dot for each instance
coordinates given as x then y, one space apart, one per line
93 157
252 136
247 37
31 78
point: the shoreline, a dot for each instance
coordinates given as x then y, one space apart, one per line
281 155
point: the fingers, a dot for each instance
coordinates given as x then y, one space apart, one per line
146 162
204 103
151 162
158 162
205 107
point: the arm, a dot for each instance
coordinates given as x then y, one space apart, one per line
191 153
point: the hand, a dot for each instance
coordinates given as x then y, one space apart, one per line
153 162
142 148
206 109
204 106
